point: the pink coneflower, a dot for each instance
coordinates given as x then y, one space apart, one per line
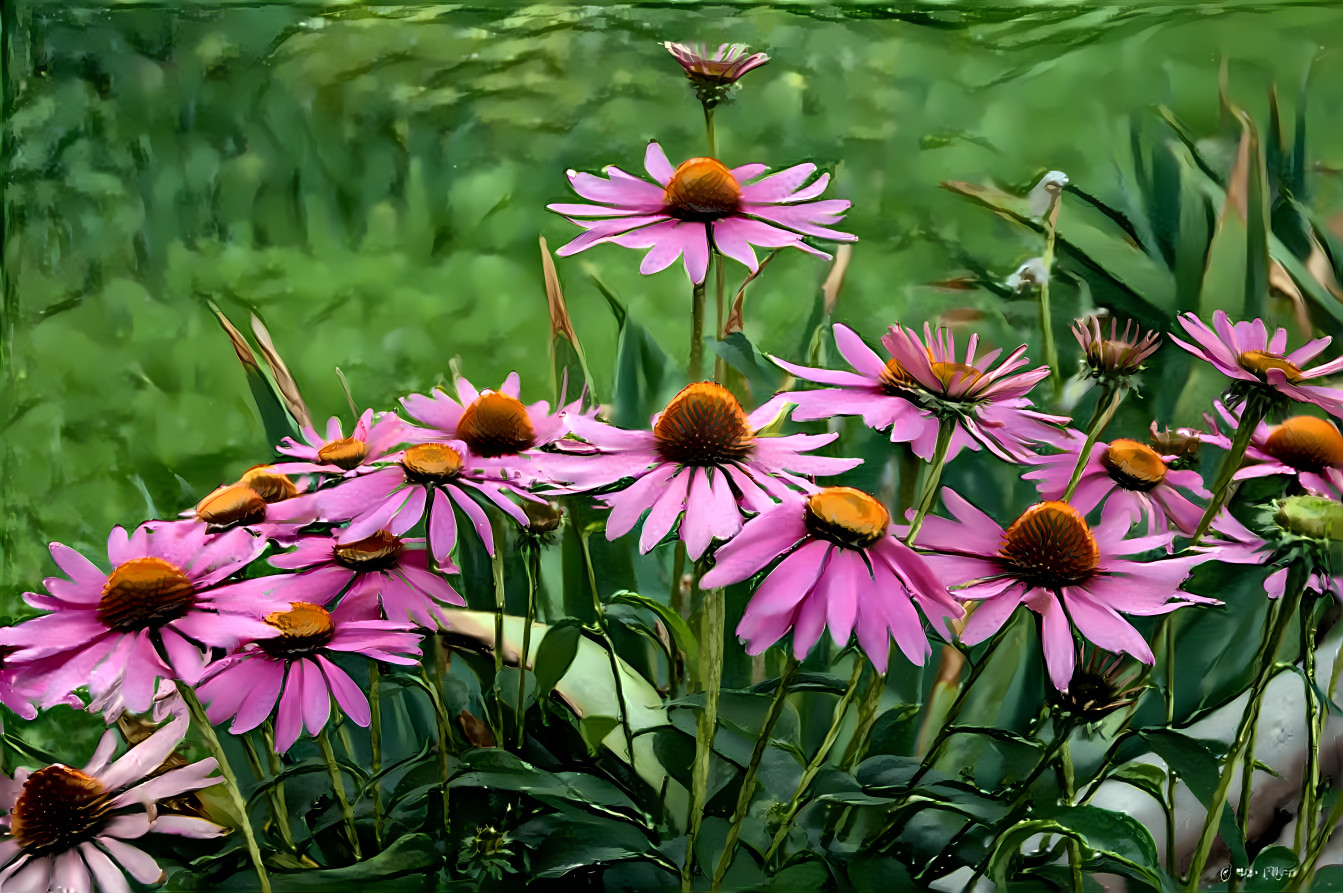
1246 353
296 660
1297 528
1131 478
722 69
699 202
13 694
702 458
1117 355
925 379
146 619
263 500
1050 560
1307 448
336 454
427 477
381 570
494 425
65 829
844 570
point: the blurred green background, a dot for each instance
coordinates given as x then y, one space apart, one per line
372 182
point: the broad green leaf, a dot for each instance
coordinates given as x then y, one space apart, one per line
555 654
594 730
680 631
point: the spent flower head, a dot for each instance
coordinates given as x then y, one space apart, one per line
713 76
1030 275
1118 356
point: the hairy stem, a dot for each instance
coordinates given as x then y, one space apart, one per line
1316 717
945 428
748 782
202 722
695 368
599 608
949 724
1046 317
817 761
1250 418
712 621
375 742
532 560
1111 396
338 785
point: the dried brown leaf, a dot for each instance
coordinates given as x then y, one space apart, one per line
475 730
560 323
284 381
240 347
834 282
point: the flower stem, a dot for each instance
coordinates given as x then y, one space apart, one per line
605 627
497 572
712 621
679 607
1303 877
1249 420
207 731
279 815
375 742
695 368
444 732
1062 730
532 560
949 724
1316 717
867 717
1069 794
1046 318
1275 628
338 785
753 767
708 131
1168 640
945 428
817 761
1111 396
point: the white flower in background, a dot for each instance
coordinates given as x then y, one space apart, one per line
1046 192
1030 275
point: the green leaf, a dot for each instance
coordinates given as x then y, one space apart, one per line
1328 880
594 730
1146 778
1115 833
1196 764
1273 870
739 353
413 854
680 630
555 654
642 368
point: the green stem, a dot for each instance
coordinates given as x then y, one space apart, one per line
948 725
532 559
276 767
945 428
679 607
1316 717
752 768
1069 793
817 761
708 131
1274 630
444 735
1046 318
598 609
338 785
375 742
695 368
712 622
1250 418
1303 878
207 731
1061 732
867 717
278 813
1111 396
497 572
1168 641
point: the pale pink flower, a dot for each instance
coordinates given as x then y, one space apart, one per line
844 569
721 69
335 454
699 206
1307 448
65 829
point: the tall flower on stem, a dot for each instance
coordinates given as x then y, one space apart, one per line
1262 376
66 829
843 568
713 75
700 202
1052 561
148 618
705 459
1131 478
